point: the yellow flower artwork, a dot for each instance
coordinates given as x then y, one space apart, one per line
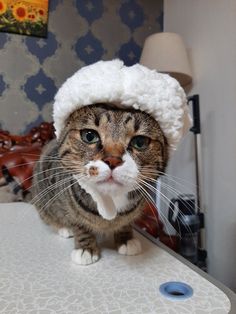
28 17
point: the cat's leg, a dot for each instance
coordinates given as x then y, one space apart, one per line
86 251
126 243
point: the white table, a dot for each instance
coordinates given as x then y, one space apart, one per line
37 275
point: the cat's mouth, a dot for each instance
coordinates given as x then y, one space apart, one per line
110 180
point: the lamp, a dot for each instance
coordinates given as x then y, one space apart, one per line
166 52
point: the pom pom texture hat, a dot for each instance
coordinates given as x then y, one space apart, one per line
136 87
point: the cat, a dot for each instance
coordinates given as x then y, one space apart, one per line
92 180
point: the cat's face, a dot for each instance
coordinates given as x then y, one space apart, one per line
112 150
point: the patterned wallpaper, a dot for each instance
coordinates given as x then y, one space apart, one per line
79 32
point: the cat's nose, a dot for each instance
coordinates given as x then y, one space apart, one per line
113 161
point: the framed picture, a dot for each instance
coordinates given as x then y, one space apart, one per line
28 17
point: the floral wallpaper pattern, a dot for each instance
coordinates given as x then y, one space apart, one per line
27 17
80 32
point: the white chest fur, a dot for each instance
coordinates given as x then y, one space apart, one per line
111 196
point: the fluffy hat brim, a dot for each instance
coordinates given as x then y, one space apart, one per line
131 87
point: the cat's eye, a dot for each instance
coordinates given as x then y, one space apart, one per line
140 142
89 136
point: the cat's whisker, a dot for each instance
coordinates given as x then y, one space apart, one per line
149 199
139 188
165 199
29 163
151 187
48 189
183 186
40 173
155 190
148 203
169 176
175 191
58 194
46 158
166 223
58 174
52 186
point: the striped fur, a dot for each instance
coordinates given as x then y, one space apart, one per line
58 195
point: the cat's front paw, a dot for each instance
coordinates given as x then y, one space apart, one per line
84 257
132 247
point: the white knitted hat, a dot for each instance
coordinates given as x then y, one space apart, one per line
129 87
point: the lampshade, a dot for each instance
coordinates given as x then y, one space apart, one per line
166 52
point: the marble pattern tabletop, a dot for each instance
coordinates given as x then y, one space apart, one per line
38 277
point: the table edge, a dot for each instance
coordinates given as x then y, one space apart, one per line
229 293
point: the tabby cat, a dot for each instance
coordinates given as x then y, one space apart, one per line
93 179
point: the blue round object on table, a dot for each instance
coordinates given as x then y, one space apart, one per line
175 290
